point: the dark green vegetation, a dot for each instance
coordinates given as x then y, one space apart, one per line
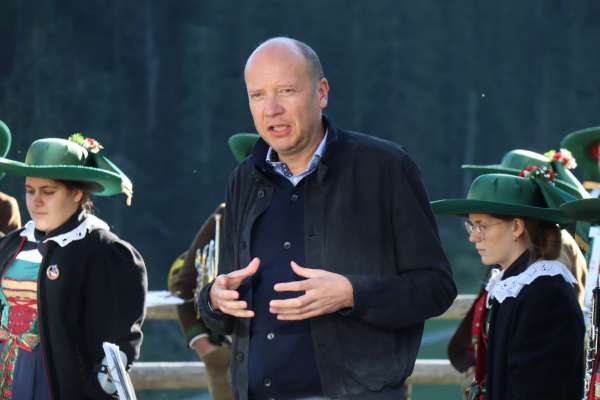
159 83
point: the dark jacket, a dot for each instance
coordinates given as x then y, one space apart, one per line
367 217
99 296
535 346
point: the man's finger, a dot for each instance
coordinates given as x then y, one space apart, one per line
304 272
298 317
244 273
238 313
234 305
224 294
294 286
295 303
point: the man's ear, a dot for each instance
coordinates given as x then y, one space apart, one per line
323 92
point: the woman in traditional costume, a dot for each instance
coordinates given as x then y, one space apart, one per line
68 283
527 326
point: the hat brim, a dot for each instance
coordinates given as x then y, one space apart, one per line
109 182
583 210
463 207
498 169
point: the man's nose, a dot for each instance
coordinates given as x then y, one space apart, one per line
273 106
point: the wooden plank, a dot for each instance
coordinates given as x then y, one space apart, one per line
192 375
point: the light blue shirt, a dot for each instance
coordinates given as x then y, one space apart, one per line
282 169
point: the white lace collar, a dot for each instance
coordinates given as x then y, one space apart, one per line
89 224
510 287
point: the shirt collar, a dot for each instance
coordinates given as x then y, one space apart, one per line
273 159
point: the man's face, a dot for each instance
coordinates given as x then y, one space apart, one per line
284 101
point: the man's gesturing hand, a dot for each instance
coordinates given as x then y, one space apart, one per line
325 292
224 295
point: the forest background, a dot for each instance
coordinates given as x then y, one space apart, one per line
160 85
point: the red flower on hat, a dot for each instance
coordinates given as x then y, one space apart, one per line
537 171
91 145
563 156
596 151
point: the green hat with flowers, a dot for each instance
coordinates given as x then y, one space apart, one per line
5 141
532 196
75 159
585 146
517 162
241 144
583 210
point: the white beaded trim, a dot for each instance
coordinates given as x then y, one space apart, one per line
510 287
89 224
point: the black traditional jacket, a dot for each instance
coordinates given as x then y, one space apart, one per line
98 296
366 216
535 348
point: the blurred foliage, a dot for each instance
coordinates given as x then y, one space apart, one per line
160 85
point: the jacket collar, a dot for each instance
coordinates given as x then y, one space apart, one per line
259 152
518 266
75 228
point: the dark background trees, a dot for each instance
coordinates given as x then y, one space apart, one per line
160 84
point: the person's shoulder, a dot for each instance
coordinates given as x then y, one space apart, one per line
549 291
370 144
12 237
108 244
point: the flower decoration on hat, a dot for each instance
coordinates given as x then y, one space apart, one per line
539 172
91 145
563 156
596 151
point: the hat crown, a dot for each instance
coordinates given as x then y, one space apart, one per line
521 159
507 189
241 144
581 143
55 152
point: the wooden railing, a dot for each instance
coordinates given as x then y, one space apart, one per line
192 375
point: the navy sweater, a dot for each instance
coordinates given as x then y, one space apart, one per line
277 239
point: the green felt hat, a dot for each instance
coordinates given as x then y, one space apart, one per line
241 144
503 194
5 141
584 145
583 210
75 159
516 161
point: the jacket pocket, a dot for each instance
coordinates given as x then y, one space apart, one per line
370 357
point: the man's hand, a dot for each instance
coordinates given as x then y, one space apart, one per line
325 293
224 295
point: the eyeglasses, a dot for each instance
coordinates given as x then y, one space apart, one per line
479 229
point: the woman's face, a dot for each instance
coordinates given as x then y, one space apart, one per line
497 241
50 203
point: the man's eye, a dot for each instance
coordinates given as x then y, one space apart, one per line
48 193
286 91
255 96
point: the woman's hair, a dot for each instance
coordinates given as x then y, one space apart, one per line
87 188
542 237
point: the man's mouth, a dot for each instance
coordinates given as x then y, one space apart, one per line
279 129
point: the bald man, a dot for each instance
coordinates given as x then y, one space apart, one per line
331 260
